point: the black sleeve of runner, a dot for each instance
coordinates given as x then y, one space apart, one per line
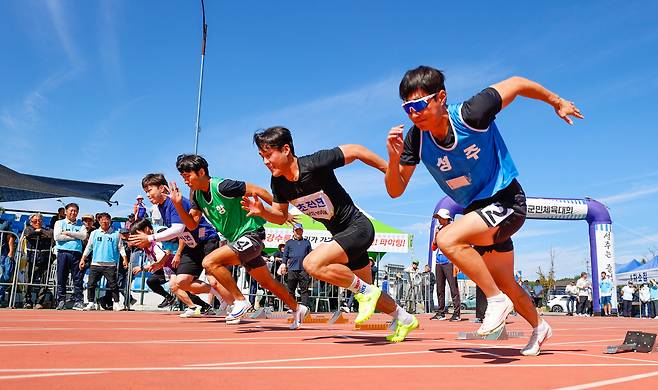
193 203
327 159
480 110
276 195
411 153
232 188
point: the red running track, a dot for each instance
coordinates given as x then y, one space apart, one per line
140 350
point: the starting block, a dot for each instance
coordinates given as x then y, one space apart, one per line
501 334
635 341
313 319
263 312
337 318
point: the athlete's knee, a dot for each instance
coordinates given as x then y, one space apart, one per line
449 243
313 266
184 283
209 262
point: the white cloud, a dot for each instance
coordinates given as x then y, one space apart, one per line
626 196
61 25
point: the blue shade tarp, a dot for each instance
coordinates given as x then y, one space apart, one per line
15 186
627 267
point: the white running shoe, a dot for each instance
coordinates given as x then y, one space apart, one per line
495 316
90 306
299 316
240 308
233 322
539 335
191 312
116 306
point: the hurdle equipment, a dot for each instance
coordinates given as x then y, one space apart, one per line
634 341
500 334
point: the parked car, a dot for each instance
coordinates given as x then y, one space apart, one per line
558 304
468 303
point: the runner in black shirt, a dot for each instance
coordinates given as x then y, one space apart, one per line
309 183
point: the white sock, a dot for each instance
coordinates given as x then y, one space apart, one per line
496 298
216 294
401 315
359 286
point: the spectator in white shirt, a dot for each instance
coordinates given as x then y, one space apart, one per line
572 292
645 299
627 297
584 287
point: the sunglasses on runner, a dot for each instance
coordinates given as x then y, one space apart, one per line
417 105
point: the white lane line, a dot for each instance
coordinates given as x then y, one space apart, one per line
323 367
309 359
610 381
606 356
30 376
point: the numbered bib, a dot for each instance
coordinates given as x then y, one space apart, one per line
495 213
316 205
188 239
242 244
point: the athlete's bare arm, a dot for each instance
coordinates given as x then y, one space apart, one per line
397 176
519 86
359 152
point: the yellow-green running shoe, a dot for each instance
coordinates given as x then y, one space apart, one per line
367 303
401 330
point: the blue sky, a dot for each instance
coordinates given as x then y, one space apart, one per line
106 91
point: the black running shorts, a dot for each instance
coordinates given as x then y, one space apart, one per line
507 210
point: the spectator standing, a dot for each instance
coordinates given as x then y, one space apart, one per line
69 237
276 259
584 286
373 271
572 291
107 249
480 305
627 298
538 294
606 287
429 304
645 300
653 293
7 251
38 239
139 209
445 272
294 252
61 214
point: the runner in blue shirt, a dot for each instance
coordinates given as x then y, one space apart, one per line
461 147
197 244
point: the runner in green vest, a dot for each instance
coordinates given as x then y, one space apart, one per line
219 201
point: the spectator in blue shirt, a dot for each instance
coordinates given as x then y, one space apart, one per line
605 286
296 249
445 272
653 291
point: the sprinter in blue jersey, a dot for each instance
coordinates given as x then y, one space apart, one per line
461 147
198 243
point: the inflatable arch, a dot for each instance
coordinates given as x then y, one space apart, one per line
596 214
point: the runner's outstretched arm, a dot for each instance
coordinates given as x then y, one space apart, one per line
262 193
519 86
359 152
397 176
192 218
277 214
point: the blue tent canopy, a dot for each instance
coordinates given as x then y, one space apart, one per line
653 263
627 267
